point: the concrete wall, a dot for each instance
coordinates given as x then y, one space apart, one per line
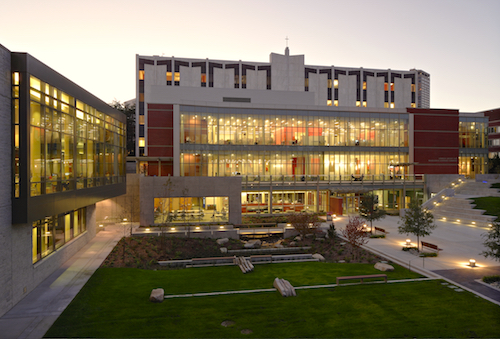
436 182
162 187
6 299
125 206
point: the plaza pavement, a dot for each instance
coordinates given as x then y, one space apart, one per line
33 316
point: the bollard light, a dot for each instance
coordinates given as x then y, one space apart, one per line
472 262
408 242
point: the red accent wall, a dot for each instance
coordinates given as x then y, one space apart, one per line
160 140
436 141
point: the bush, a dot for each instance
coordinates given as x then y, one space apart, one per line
377 236
410 248
491 278
428 254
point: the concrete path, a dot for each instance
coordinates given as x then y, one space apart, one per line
459 243
35 314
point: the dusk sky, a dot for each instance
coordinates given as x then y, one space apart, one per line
94 42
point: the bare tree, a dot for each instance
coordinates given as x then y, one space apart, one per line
303 222
492 242
368 209
354 232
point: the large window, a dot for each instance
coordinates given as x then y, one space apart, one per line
191 209
51 233
72 145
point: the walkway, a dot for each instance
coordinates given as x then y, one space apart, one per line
35 314
459 243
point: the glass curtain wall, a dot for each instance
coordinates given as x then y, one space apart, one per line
72 145
473 138
385 133
51 233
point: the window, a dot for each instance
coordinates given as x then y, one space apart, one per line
141 75
142 142
328 102
335 83
169 76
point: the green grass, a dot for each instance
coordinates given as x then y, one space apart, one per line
114 304
490 204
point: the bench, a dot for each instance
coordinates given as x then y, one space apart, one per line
261 258
381 230
431 246
362 277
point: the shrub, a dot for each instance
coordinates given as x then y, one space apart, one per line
428 254
377 236
410 248
491 278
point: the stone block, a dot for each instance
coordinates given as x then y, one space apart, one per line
157 295
384 267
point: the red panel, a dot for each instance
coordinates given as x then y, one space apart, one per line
436 169
160 118
167 151
152 168
167 169
436 123
161 106
431 139
161 137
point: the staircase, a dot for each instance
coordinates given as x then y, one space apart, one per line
460 209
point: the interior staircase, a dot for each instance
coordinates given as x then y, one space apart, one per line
460 209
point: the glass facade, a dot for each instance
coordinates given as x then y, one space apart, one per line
72 145
51 233
345 144
191 209
473 138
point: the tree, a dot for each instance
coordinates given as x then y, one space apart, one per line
416 221
368 209
303 222
129 111
494 165
354 232
492 242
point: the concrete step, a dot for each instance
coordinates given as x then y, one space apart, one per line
451 210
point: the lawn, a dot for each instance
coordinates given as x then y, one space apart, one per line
114 304
490 204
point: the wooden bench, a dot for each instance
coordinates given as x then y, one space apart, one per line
431 246
381 230
362 277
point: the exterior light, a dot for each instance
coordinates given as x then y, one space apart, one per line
490 225
101 225
473 223
221 226
172 229
290 225
472 262
197 227
124 219
444 218
408 242
458 220
147 229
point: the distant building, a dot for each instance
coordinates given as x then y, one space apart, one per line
296 135
493 132
63 151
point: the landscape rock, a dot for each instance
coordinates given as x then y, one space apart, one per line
227 323
292 243
318 256
246 331
157 295
278 246
223 249
253 244
222 241
384 267
298 238
320 239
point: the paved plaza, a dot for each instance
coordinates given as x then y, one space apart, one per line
34 315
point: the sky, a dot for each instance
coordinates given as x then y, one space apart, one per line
94 42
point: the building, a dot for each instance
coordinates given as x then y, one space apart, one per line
64 151
297 137
493 132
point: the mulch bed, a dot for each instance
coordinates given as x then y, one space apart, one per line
144 252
